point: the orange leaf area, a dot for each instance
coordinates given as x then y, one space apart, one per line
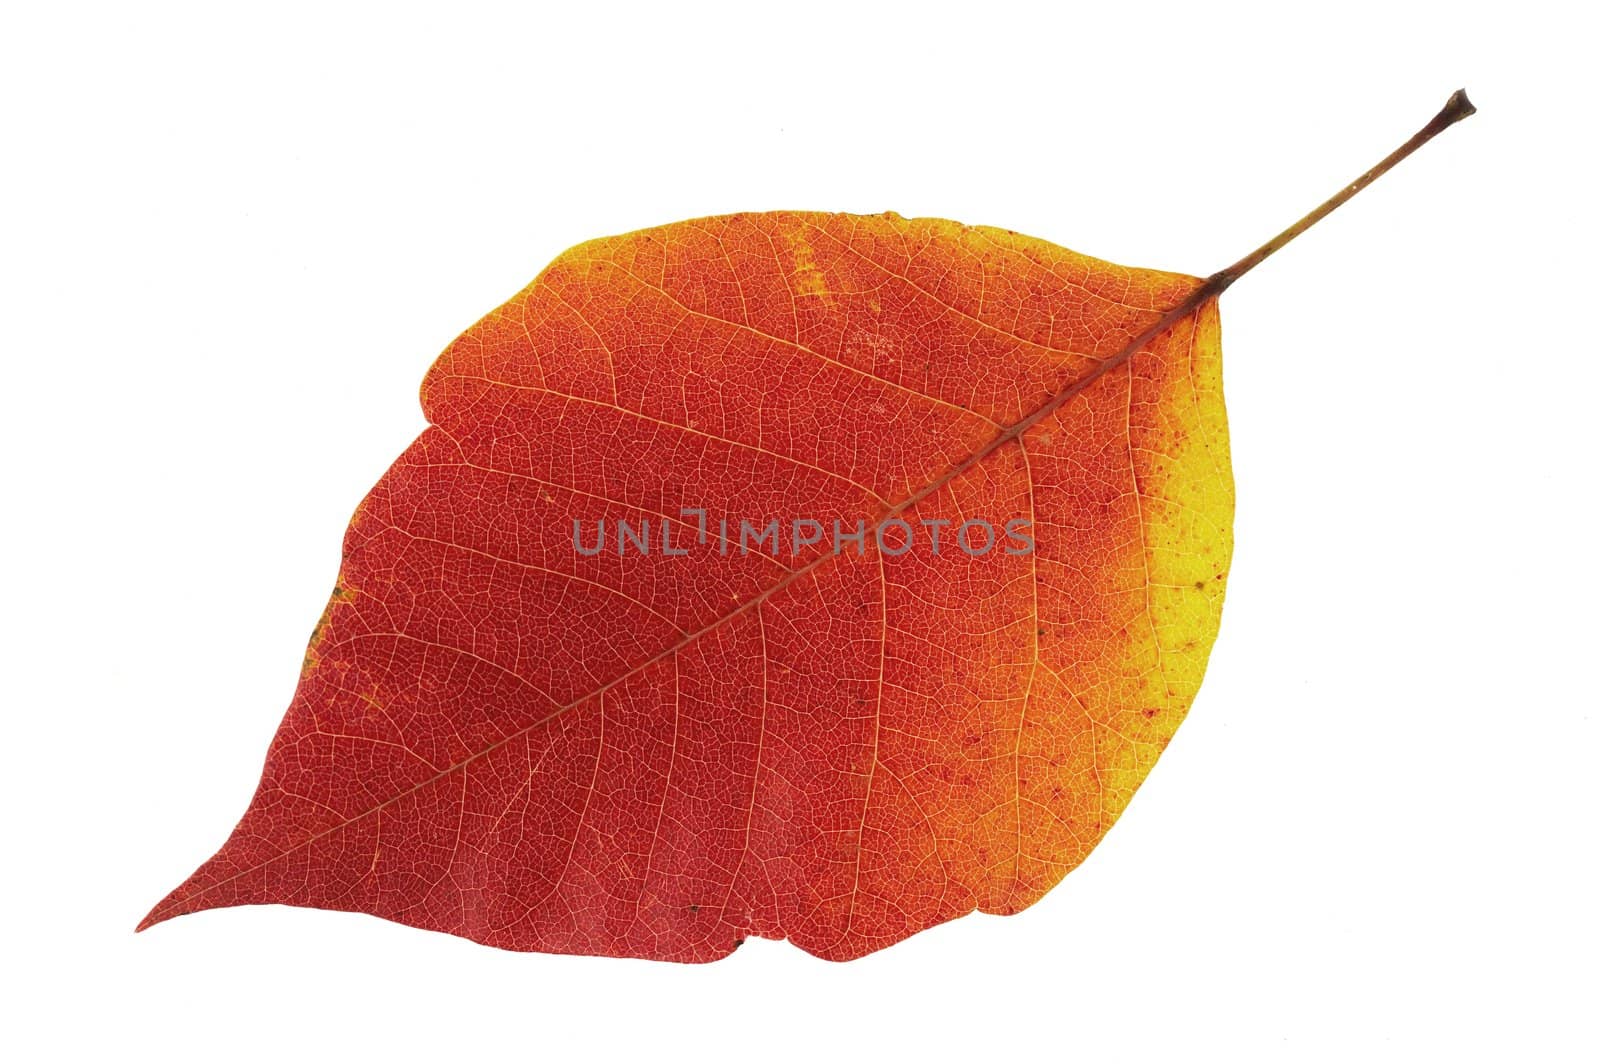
657 753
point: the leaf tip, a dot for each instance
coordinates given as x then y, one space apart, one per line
163 912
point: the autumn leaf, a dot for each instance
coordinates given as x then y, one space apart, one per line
809 576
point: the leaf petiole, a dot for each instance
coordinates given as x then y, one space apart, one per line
1455 109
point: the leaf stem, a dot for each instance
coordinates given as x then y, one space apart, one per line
1454 110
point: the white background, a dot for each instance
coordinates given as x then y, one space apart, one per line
233 243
